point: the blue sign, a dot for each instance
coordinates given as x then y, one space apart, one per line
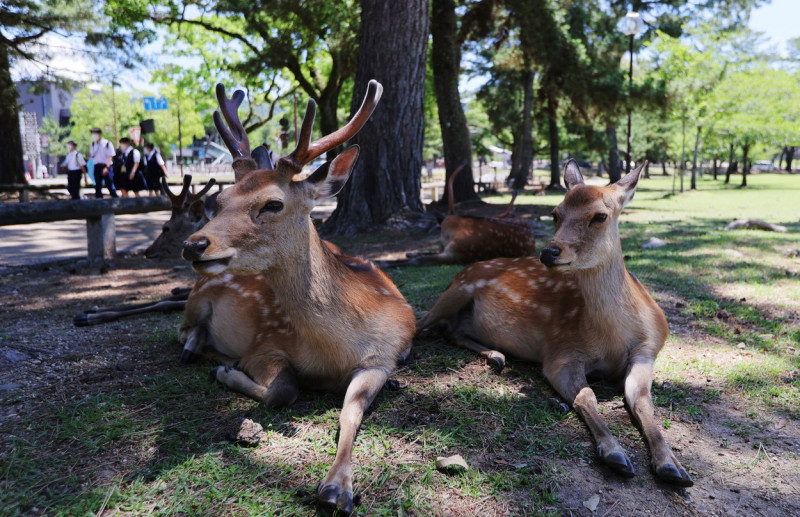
155 103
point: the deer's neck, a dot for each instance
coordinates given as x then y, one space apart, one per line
310 287
607 289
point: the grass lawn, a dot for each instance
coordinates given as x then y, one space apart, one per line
727 392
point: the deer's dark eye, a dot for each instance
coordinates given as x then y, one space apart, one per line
599 218
165 229
271 207
555 217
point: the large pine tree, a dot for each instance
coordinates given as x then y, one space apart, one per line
393 45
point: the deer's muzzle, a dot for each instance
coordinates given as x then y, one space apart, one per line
193 250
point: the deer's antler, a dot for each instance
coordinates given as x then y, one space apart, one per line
191 198
185 198
510 206
177 201
450 198
306 151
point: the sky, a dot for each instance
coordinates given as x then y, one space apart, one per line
779 20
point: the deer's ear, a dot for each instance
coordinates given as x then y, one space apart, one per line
330 177
627 185
210 206
572 174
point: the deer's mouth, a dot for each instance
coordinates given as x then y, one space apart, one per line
217 265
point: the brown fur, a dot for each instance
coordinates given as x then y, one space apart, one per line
342 324
582 315
466 240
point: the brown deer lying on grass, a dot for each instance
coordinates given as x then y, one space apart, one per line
467 239
341 324
188 216
578 311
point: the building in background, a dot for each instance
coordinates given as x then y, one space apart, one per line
49 100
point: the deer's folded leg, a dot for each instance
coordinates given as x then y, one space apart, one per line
275 384
337 488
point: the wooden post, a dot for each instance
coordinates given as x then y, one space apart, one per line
101 234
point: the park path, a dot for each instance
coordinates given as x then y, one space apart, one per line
29 244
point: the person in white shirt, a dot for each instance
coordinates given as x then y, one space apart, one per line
131 176
75 164
102 152
154 167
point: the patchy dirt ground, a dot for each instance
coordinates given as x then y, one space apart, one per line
743 455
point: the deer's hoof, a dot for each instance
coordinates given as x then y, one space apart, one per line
669 473
620 464
496 361
335 498
188 357
81 320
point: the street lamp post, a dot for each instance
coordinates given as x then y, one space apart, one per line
631 25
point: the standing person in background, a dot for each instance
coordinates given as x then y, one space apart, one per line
155 168
131 173
75 164
102 152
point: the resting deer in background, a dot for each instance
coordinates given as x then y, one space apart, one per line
341 324
188 216
577 310
467 239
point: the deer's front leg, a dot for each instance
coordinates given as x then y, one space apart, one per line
665 465
569 380
337 487
273 382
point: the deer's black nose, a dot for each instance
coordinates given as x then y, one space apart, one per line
193 250
549 255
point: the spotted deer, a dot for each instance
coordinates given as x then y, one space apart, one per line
339 324
577 311
467 239
188 216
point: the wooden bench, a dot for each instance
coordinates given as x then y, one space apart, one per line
99 215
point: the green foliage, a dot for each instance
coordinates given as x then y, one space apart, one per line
277 48
92 109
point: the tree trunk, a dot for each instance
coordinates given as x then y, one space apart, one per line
664 168
521 167
326 106
387 176
730 168
614 172
446 64
552 125
694 159
716 168
647 171
683 147
745 164
12 170
789 158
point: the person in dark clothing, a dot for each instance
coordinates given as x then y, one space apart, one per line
131 173
155 168
75 165
102 152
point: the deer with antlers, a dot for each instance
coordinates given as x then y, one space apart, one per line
188 216
468 239
339 323
577 311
